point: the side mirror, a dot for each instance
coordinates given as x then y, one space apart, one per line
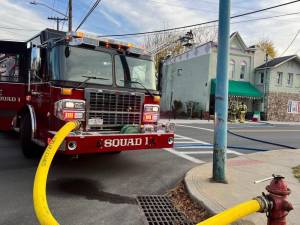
35 63
67 52
35 58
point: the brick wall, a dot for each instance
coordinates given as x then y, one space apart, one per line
278 105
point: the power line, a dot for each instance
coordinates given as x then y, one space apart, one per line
15 28
53 6
89 6
67 9
89 13
237 22
245 21
199 24
267 17
291 43
193 8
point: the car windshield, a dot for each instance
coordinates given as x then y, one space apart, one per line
140 71
75 64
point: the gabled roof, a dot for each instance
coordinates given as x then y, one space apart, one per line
278 61
238 36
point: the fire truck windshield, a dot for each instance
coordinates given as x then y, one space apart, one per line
79 63
140 73
75 64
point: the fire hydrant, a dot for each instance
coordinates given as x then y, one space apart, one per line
278 193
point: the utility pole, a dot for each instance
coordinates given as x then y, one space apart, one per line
70 16
221 94
57 21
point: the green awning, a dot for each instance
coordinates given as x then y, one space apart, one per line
238 88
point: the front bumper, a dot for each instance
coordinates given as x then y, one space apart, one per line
94 142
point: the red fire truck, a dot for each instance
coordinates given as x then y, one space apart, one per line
109 85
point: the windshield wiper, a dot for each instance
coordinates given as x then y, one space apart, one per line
90 78
137 82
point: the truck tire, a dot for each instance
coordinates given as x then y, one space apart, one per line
29 149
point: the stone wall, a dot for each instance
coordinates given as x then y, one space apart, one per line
278 106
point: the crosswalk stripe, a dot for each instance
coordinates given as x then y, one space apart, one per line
199 147
182 155
189 142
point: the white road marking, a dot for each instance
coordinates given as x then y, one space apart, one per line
182 155
209 152
199 147
191 141
179 138
202 142
198 128
234 152
194 140
198 152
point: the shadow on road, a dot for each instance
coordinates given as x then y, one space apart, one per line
87 188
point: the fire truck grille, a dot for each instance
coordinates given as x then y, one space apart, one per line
114 109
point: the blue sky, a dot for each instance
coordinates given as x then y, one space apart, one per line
126 16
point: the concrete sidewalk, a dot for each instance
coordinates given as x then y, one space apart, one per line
241 174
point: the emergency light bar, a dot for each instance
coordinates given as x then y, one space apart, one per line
78 38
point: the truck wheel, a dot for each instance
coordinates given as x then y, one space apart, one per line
29 149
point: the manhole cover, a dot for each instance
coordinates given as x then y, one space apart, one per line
159 211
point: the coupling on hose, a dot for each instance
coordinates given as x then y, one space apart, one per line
78 124
265 204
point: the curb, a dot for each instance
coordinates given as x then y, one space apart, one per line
210 206
204 201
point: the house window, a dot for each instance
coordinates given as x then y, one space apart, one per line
231 69
297 80
179 72
290 79
279 78
262 78
243 70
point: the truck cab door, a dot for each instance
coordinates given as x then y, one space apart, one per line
39 89
12 82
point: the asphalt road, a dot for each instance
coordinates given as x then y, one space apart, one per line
101 189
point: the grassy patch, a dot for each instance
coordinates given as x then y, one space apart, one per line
296 171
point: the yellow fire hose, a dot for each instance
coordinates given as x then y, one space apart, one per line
233 214
41 208
45 216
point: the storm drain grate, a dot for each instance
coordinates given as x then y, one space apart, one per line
159 211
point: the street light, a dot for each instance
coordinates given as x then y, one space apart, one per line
49 7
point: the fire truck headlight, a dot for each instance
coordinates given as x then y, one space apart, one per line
155 108
70 109
73 104
69 104
151 113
